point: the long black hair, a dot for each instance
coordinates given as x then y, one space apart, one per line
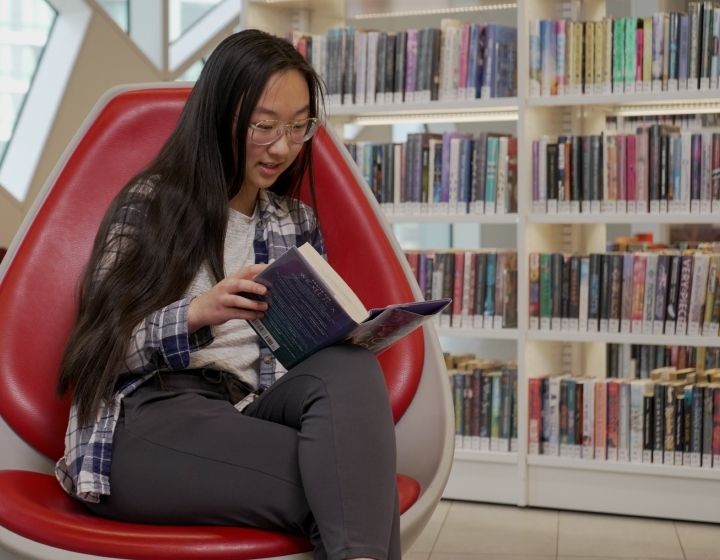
169 228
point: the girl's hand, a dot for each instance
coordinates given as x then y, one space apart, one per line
225 300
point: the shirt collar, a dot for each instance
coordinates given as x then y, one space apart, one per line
270 203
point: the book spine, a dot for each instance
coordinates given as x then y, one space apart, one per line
658 423
485 411
476 388
601 416
648 425
707 431
670 412
636 421
588 418
534 414
684 288
651 261
584 295
696 426
496 411
715 438
698 291
613 419
638 292
624 422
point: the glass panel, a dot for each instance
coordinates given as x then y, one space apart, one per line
193 72
185 13
24 29
118 10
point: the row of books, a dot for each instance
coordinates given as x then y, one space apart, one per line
638 360
673 418
481 283
657 169
485 403
441 174
667 51
459 60
668 292
692 122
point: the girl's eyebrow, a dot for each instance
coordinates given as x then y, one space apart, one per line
270 112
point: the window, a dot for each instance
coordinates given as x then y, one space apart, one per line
24 29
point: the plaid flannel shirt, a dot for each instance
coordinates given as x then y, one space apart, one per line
162 342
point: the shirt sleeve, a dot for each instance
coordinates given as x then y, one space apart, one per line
162 340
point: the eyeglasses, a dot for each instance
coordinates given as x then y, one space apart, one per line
264 133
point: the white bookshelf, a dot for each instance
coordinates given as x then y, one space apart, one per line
627 218
482 219
646 100
518 478
622 338
490 334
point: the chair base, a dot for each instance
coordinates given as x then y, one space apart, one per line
15 547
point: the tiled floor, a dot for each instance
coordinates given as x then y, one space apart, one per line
465 531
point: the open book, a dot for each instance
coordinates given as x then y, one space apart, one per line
310 307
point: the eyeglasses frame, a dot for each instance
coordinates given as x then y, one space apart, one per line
286 127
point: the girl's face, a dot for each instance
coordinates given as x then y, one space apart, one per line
285 99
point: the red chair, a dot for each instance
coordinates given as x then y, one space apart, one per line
37 287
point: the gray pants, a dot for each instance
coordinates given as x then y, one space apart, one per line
314 454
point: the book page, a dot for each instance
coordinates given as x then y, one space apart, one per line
343 293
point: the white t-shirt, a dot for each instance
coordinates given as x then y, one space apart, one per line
235 347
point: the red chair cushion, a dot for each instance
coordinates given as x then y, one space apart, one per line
33 506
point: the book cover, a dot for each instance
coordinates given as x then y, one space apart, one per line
310 307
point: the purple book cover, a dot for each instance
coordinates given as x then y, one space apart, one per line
309 310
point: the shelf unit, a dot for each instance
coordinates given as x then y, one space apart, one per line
519 478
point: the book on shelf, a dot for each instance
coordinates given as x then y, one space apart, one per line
670 418
441 174
311 307
457 61
667 51
484 401
666 291
481 283
658 168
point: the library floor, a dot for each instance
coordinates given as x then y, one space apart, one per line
465 531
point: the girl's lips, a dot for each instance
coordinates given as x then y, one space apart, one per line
269 168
